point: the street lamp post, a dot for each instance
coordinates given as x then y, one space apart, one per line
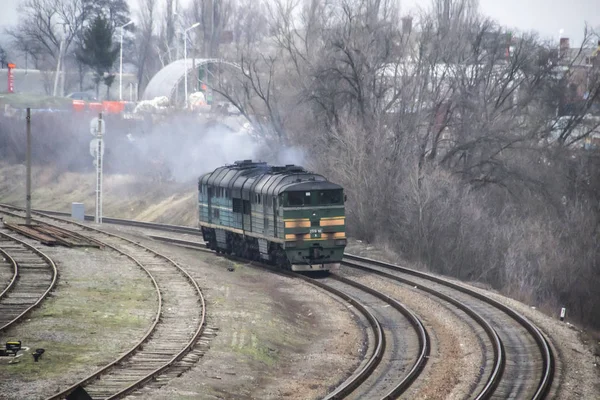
59 62
185 59
121 63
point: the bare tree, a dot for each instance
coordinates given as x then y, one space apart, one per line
248 23
145 51
214 16
167 45
43 24
438 132
3 57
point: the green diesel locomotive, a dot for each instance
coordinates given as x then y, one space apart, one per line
279 214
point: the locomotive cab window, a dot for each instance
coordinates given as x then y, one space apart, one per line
330 197
296 199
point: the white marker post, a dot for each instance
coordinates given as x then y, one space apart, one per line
563 312
97 129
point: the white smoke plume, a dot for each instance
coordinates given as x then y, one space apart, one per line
190 149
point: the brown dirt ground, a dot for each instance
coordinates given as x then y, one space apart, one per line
277 337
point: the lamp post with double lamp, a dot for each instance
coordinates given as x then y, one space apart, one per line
185 59
121 63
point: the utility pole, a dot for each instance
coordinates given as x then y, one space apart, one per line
58 66
28 172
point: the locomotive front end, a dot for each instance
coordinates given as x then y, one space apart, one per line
314 226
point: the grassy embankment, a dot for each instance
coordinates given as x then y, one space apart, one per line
78 325
124 196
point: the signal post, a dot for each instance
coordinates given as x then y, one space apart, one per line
97 129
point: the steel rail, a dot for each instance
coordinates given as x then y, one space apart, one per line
191 343
545 382
54 272
363 373
15 268
499 353
424 342
417 324
132 350
150 331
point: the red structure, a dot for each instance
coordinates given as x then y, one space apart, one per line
11 79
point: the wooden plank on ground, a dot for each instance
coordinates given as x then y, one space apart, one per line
71 238
31 232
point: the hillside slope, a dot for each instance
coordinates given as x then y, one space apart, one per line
125 196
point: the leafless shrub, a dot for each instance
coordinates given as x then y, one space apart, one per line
438 135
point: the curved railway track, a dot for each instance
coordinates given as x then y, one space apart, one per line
177 326
399 349
529 367
34 275
406 343
502 326
482 391
523 365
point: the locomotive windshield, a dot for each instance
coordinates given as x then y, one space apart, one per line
329 197
296 199
314 198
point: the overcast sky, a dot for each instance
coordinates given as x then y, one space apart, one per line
544 16
547 17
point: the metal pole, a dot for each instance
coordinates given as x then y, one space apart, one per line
185 59
121 63
28 162
60 50
98 217
121 68
185 66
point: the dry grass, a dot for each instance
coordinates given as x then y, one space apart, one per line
125 196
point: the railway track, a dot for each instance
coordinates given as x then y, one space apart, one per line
399 346
406 342
379 381
523 363
528 369
167 349
33 276
515 370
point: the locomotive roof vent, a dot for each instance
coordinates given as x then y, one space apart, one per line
294 168
245 164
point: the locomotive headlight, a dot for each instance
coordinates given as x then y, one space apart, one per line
340 242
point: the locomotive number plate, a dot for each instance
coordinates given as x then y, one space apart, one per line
315 232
